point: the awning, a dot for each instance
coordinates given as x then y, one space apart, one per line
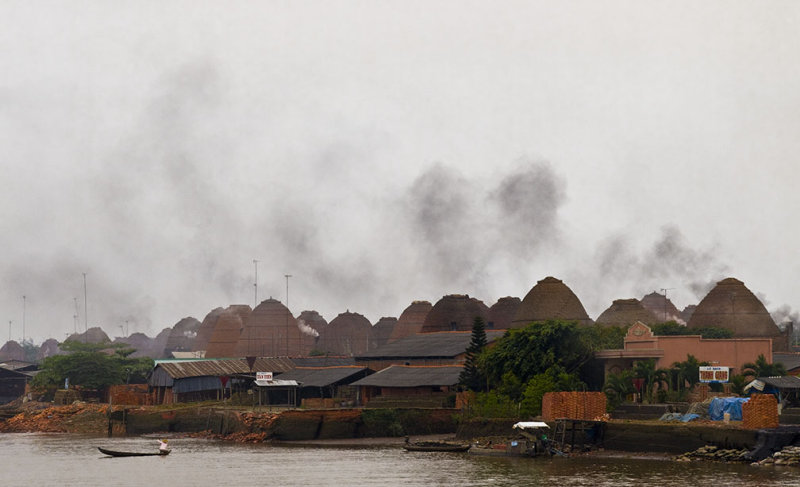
756 384
525 425
276 383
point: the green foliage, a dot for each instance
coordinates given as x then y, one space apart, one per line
492 404
471 376
618 386
652 377
511 387
87 366
382 422
29 351
673 328
737 384
529 351
669 328
604 337
687 372
535 390
761 368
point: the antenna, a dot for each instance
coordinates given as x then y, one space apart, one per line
665 289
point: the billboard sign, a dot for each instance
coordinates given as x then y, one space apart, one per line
263 375
714 374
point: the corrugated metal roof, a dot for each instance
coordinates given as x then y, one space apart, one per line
412 376
323 361
325 376
222 367
783 382
443 344
790 361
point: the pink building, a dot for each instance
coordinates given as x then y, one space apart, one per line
641 344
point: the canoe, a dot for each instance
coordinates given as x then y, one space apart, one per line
114 453
436 446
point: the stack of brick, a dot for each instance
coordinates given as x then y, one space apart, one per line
133 395
761 411
573 405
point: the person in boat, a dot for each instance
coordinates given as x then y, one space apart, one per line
162 445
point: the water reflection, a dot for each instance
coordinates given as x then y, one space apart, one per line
47 459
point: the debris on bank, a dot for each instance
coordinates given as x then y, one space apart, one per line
79 417
712 453
789 456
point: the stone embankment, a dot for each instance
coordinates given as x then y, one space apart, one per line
231 423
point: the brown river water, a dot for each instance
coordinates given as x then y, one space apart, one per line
36 459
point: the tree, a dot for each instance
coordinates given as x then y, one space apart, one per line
93 366
472 377
532 350
646 370
618 386
761 368
673 328
688 371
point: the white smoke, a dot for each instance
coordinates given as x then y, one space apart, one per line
304 328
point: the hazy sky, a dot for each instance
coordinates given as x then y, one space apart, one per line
382 152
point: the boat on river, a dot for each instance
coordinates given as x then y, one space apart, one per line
435 446
115 453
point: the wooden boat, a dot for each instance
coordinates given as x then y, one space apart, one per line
114 453
441 446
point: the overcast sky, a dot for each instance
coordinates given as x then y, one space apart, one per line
382 152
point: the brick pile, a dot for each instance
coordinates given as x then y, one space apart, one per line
573 405
130 394
761 411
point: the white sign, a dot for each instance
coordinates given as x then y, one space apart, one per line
714 374
263 375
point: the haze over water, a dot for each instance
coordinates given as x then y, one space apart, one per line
63 459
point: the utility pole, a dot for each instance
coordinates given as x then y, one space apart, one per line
255 284
75 316
9 330
85 310
287 313
23 320
665 289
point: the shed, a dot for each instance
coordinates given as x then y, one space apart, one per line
442 348
326 382
406 384
12 383
207 379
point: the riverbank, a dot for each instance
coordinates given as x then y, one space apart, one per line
343 427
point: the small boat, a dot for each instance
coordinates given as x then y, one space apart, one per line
114 453
441 446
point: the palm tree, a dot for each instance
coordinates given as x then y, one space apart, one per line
646 370
763 369
618 386
688 371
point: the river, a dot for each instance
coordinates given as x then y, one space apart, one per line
36 459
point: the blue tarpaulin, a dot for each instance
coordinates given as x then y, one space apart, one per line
721 405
